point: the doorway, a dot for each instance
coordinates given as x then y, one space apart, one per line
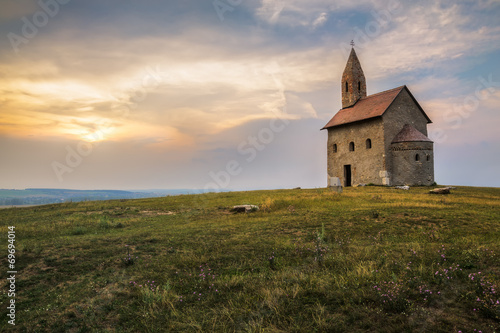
347 176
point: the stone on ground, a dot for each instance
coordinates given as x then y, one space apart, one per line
444 190
245 208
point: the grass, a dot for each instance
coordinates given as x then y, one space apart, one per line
370 259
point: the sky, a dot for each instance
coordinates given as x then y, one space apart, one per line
121 94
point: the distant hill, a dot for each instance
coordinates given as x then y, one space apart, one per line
41 196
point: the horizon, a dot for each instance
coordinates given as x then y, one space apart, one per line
221 189
231 95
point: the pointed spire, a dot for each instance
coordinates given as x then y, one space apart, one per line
353 81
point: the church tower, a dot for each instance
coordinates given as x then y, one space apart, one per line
353 81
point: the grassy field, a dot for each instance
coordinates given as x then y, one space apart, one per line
371 259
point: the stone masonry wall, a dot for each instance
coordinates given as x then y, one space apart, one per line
407 170
402 111
354 77
365 163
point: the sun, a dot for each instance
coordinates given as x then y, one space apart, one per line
93 137
98 135
92 130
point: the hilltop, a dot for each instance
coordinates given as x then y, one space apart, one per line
369 259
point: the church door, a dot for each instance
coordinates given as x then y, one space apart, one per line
347 176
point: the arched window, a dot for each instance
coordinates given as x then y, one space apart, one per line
334 148
359 86
351 146
417 157
368 143
346 87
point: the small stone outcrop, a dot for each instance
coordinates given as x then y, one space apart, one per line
443 190
245 208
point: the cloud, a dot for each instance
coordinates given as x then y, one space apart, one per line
422 35
320 20
271 10
469 118
197 92
313 13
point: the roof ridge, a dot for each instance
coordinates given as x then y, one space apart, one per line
374 95
385 91
366 108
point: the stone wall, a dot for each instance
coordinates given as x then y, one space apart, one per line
402 111
413 163
366 164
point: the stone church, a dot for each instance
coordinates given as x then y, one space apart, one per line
379 139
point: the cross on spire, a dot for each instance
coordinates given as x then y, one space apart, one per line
352 43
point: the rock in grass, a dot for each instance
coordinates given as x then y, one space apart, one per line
444 190
405 187
245 208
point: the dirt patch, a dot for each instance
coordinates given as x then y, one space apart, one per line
155 213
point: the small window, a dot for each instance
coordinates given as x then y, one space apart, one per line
334 147
428 157
417 157
351 146
346 87
368 143
359 86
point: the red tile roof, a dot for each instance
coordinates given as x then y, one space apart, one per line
410 134
368 107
